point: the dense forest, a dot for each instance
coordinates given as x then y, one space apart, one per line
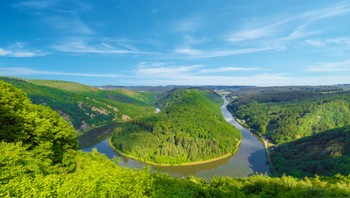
287 116
326 153
86 107
189 128
39 159
310 126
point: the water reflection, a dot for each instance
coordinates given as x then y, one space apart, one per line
250 158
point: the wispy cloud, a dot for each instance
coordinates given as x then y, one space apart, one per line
19 50
342 41
193 78
163 70
314 43
72 24
341 66
191 24
37 4
82 46
251 34
22 71
328 12
55 6
64 16
228 69
279 31
201 54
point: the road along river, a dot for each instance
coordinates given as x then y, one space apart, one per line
250 158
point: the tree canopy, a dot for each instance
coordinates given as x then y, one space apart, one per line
189 128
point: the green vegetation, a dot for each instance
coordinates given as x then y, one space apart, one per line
305 124
189 128
40 134
326 153
83 106
287 116
39 159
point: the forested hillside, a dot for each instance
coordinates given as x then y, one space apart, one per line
83 106
39 159
326 153
287 116
189 128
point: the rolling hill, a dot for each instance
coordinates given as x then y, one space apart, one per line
83 106
189 128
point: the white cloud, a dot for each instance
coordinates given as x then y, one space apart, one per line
262 79
22 71
188 51
60 15
18 50
228 69
341 41
314 43
280 31
251 34
72 24
81 46
200 54
188 25
193 79
3 52
163 70
341 66
328 12
37 4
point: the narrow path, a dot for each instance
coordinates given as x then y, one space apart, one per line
266 145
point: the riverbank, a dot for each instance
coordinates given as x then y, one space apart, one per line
266 142
171 165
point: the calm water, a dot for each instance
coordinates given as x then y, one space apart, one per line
250 158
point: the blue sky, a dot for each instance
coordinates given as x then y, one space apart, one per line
160 42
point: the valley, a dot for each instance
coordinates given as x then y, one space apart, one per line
249 159
309 128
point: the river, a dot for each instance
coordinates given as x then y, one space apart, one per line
250 158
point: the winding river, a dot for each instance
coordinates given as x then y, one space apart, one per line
250 158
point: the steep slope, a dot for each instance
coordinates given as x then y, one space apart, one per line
189 128
287 116
83 106
326 153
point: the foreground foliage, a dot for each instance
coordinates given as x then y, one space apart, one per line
97 176
189 128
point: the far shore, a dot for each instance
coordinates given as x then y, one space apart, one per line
164 165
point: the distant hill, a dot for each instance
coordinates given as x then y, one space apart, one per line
83 106
189 128
326 154
162 89
284 116
63 85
